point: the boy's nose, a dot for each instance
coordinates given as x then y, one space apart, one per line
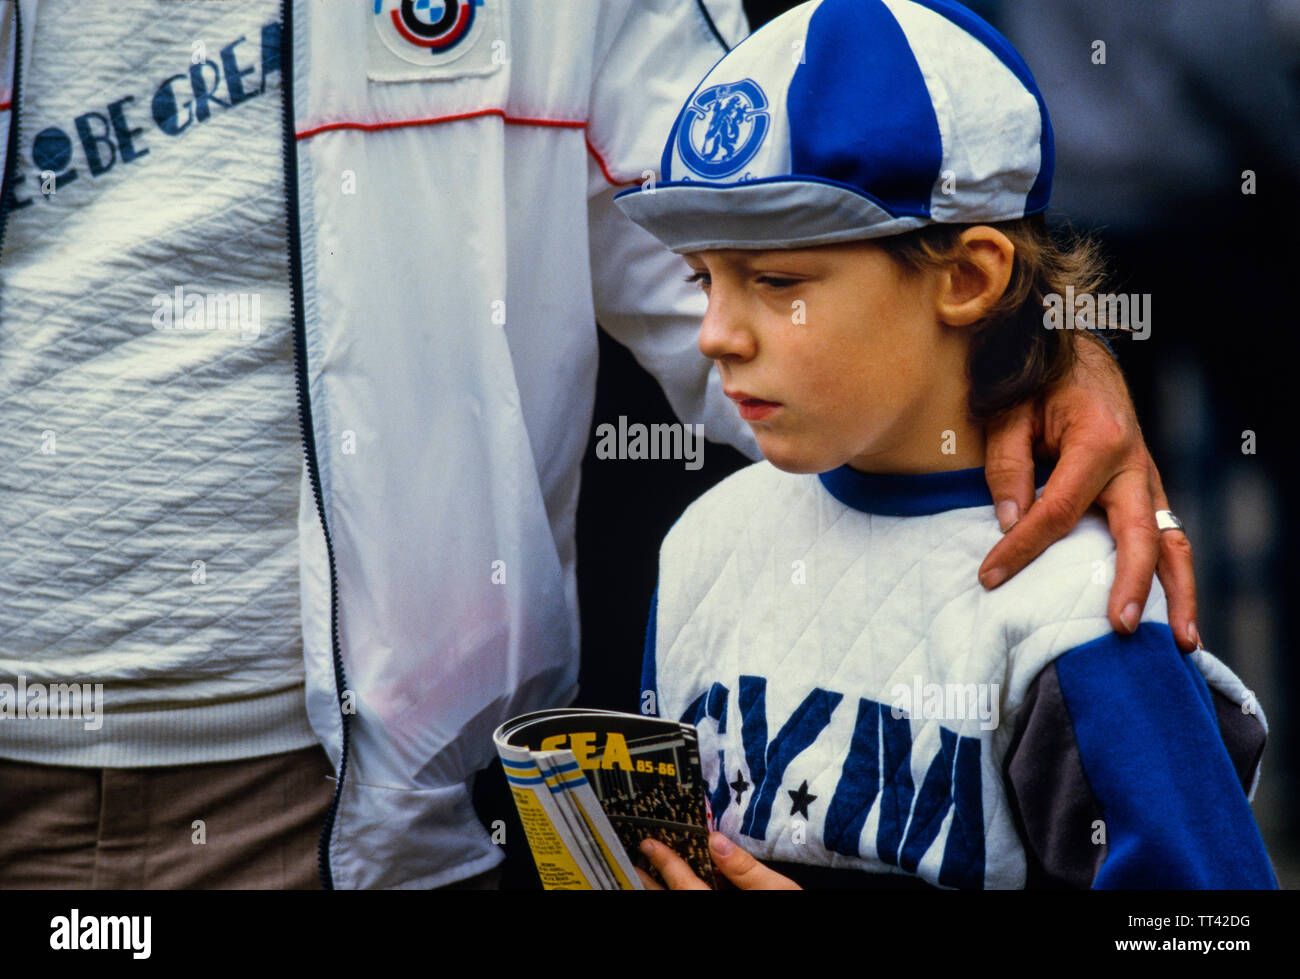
723 333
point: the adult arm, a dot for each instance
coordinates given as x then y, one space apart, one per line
659 50
1088 421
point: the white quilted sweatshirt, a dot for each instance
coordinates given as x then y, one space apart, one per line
864 704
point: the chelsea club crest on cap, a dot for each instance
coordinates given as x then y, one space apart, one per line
850 119
411 40
722 128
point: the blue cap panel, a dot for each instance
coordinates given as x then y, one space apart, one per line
865 122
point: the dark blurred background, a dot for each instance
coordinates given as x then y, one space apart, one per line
1151 145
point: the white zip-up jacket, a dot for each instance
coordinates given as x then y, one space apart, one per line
453 241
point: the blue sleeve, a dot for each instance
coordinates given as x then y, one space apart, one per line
648 679
1150 747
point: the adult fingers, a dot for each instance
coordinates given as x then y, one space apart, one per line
1176 573
1009 462
1074 484
1132 518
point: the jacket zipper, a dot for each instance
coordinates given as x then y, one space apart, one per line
304 410
15 99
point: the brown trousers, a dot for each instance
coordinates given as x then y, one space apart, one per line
250 824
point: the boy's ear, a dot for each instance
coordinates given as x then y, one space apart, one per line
977 278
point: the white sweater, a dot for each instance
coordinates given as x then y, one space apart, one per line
863 703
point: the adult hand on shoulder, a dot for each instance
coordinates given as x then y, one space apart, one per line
736 865
1088 421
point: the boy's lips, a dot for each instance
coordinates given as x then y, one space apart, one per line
752 409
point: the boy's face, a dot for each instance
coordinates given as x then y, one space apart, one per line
834 356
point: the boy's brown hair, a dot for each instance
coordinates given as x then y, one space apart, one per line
1013 356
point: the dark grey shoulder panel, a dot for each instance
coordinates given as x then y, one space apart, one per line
1243 735
1056 812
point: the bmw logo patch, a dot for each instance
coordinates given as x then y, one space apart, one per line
430 35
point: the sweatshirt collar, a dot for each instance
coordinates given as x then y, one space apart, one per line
914 494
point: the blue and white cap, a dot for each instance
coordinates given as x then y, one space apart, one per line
849 119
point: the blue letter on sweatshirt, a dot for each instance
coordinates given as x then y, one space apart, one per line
713 703
767 762
906 831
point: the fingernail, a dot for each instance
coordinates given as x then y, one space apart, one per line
720 845
1008 512
1130 617
1193 636
648 847
991 579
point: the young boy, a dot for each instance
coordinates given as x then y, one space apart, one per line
858 187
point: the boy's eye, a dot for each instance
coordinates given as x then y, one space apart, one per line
771 281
